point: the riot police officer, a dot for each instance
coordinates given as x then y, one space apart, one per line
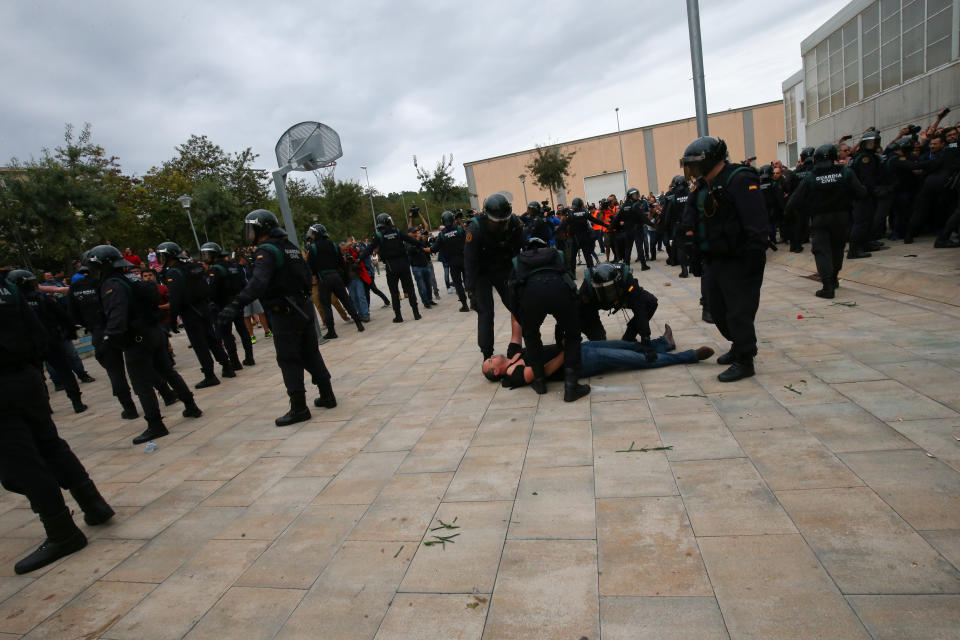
674 202
59 327
825 196
131 325
773 200
391 243
34 460
580 234
535 225
327 264
540 284
868 167
630 224
223 282
799 227
83 302
727 217
189 300
612 287
281 281
493 238
451 240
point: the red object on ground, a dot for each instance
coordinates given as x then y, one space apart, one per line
799 316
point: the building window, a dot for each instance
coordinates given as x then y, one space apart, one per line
790 114
939 22
890 43
810 84
870 24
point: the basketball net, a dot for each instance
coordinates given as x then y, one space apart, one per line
323 173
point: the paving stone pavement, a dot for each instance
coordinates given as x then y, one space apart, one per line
819 499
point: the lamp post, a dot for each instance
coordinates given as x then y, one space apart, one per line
426 210
523 181
623 169
370 193
696 61
185 201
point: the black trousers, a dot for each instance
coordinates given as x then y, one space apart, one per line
295 339
57 357
204 339
34 460
864 212
828 233
800 232
399 272
483 290
733 292
148 362
333 283
229 342
112 361
928 198
632 238
456 277
549 294
582 242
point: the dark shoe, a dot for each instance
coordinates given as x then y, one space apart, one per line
209 381
857 254
298 411
58 387
703 353
826 292
191 410
86 377
539 383
398 318
725 358
227 371
645 267
235 363
706 316
330 335
95 508
326 400
78 406
464 308
739 370
360 328
908 240
572 389
153 431
129 409
945 244
684 274
416 314
63 538
249 361
513 349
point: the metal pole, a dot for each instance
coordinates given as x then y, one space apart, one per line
523 181
403 202
696 59
623 167
281 187
194 229
427 211
370 193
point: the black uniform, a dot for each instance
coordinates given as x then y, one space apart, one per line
281 281
451 242
773 200
488 251
83 301
934 191
579 237
225 280
731 224
630 224
825 196
673 204
868 167
59 327
131 325
391 243
799 226
190 301
327 264
638 300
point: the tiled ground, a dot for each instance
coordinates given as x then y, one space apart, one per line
820 499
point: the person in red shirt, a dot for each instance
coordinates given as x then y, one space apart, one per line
131 257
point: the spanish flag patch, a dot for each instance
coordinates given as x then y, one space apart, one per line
752 187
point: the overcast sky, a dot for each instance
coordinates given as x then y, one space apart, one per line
475 79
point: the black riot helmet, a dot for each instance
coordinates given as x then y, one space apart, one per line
533 242
105 257
317 231
448 219
702 155
677 182
766 172
210 252
806 154
633 193
609 283
384 221
534 208
825 152
168 251
259 222
23 279
497 208
577 204
870 142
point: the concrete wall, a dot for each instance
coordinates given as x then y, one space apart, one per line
650 154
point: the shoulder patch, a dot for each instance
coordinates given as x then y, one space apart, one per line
864 159
469 236
169 279
752 187
260 257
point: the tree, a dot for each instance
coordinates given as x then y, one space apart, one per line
551 168
437 184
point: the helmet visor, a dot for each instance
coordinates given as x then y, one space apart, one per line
607 294
250 231
868 144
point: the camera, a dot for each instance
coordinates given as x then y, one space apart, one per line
913 129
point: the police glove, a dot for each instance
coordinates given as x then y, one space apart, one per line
229 313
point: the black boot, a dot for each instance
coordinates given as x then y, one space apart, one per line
706 316
416 313
740 369
827 290
86 377
129 409
227 371
684 273
78 406
235 362
191 410
463 306
330 335
169 395
726 358
572 389
326 399
539 383
357 321
248 359
95 508
63 538
398 318
298 411
155 429
209 380
856 252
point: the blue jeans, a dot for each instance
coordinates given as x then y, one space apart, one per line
602 356
358 295
424 283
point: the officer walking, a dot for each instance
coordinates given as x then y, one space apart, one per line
630 222
327 264
580 234
391 243
281 280
799 227
825 195
868 167
673 204
493 238
34 460
727 217
451 240
189 300
225 280
131 325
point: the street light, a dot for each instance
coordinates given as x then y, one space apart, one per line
523 181
185 201
623 168
370 193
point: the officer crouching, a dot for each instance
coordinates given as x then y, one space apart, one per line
725 215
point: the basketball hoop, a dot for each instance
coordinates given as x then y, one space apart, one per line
322 173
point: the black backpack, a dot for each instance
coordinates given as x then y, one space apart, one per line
195 282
